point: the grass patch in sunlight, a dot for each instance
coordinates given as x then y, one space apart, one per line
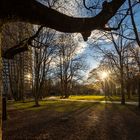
94 97
20 105
62 106
59 106
27 104
87 97
113 98
102 98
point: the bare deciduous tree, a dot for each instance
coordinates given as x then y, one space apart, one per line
43 54
69 66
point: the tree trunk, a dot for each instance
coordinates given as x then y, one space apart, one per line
0 80
4 108
36 102
36 97
66 90
139 93
2 97
62 89
122 89
128 91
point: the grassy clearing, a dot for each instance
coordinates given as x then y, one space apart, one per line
62 106
101 98
70 120
59 106
87 97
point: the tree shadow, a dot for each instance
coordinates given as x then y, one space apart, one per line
93 121
114 124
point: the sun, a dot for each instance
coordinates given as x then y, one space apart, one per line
103 75
28 76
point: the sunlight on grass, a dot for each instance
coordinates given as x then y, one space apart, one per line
59 106
87 97
29 105
20 105
102 98
113 98
59 115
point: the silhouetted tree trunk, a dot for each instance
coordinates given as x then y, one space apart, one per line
128 79
122 88
121 55
138 42
128 90
139 92
36 101
2 95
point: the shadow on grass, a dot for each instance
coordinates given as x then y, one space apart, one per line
37 124
64 120
135 110
116 122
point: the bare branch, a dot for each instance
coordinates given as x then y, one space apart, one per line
21 47
38 13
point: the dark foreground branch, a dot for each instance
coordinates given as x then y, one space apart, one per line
37 13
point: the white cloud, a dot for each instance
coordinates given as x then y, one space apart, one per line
81 47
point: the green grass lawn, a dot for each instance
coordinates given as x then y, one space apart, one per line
71 120
101 98
87 97
60 106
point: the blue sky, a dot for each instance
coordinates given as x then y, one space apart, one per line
90 52
70 8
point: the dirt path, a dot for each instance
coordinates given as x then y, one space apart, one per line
92 122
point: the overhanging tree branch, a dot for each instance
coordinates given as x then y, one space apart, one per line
37 13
